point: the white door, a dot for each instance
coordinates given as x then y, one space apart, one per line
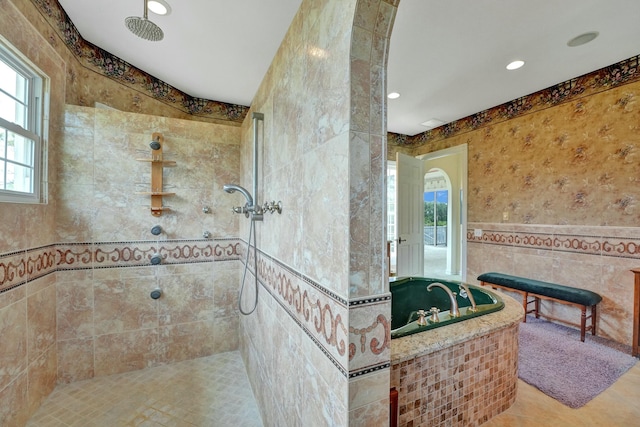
409 216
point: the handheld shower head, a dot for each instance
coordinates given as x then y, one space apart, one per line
232 188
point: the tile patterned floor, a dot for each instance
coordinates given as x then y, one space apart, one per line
215 391
210 391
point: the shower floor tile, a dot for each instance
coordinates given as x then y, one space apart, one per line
210 391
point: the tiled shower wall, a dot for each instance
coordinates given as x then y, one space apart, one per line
27 312
295 346
324 309
106 320
95 253
81 307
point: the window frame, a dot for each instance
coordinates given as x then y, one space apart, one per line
37 123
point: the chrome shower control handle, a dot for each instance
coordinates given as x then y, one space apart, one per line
273 207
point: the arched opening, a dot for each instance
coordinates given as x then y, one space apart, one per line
449 169
437 222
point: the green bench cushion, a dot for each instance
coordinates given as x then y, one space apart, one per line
564 293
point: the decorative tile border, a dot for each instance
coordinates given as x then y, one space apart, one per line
370 334
354 335
561 241
17 268
370 370
329 319
321 314
40 262
13 270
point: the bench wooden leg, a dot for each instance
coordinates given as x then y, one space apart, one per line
537 306
525 305
593 319
583 322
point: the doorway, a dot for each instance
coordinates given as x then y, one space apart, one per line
447 258
448 169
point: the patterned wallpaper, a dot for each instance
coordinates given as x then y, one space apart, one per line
573 164
589 84
565 155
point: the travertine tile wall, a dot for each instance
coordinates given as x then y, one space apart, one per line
322 155
107 321
28 355
304 148
27 312
97 229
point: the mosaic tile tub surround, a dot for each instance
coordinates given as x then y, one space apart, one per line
458 375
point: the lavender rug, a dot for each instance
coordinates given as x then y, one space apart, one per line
554 360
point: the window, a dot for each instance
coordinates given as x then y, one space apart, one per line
21 128
391 201
391 215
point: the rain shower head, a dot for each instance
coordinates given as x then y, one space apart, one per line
144 28
232 188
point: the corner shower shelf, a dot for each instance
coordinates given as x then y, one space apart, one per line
157 166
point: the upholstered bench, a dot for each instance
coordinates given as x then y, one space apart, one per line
537 289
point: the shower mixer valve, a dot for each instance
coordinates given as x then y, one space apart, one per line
258 211
272 207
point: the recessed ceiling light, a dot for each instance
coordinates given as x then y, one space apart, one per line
432 123
393 95
515 65
159 7
582 39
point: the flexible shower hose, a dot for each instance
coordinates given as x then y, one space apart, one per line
246 266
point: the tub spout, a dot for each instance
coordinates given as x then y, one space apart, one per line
453 312
465 292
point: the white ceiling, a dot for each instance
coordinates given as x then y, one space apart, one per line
447 57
